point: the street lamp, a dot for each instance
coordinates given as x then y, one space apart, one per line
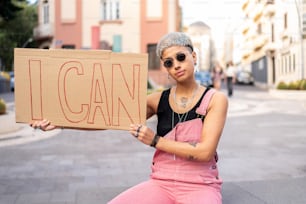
27 42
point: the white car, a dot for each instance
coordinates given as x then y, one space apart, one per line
245 77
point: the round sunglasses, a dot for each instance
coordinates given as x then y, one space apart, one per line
180 57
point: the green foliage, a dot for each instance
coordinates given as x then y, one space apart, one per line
303 84
294 85
2 106
16 31
282 85
9 8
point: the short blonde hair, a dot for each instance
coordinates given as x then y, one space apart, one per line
173 39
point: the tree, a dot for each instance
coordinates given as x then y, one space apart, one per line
8 9
17 30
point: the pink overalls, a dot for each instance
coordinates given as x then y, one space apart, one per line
177 180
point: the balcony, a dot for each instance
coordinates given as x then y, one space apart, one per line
259 42
245 29
284 34
271 47
43 31
246 53
257 12
245 5
269 10
268 1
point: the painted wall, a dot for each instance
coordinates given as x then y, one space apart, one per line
91 16
68 27
153 24
127 27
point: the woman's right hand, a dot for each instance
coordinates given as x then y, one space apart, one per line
44 125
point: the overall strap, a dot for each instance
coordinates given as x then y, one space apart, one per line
202 109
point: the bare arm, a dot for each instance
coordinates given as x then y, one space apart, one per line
211 133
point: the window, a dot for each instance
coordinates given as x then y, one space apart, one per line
293 63
45 13
154 62
289 64
272 32
154 8
259 28
285 20
110 10
117 43
68 10
304 23
68 46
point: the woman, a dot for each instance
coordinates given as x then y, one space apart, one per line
230 78
184 166
217 75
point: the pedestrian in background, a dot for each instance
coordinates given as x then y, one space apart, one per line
217 76
184 166
230 78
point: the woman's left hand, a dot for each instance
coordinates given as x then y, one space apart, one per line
142 133
44 125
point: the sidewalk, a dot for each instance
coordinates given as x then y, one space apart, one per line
12 133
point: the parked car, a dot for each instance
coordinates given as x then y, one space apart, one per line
244 77
204 78
12 81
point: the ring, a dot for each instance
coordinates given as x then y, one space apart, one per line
137 131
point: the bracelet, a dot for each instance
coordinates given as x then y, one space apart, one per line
155 140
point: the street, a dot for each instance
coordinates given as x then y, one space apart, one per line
261 156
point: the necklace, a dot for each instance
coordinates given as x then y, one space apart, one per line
181 117
184 100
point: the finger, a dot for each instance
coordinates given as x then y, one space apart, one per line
44 123
35 124
132 130
138 129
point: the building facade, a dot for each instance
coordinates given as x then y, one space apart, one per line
273 40
200 34
117 25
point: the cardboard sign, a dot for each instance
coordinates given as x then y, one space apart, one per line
93 89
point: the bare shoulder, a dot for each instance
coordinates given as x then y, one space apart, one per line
219 99
220 95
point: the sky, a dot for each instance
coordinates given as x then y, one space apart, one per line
31 1
220 15
217 13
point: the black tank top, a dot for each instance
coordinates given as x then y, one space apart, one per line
167 118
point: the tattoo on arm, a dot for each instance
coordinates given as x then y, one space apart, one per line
194 144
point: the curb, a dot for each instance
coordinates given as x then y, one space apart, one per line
12 133
288 94
8 124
